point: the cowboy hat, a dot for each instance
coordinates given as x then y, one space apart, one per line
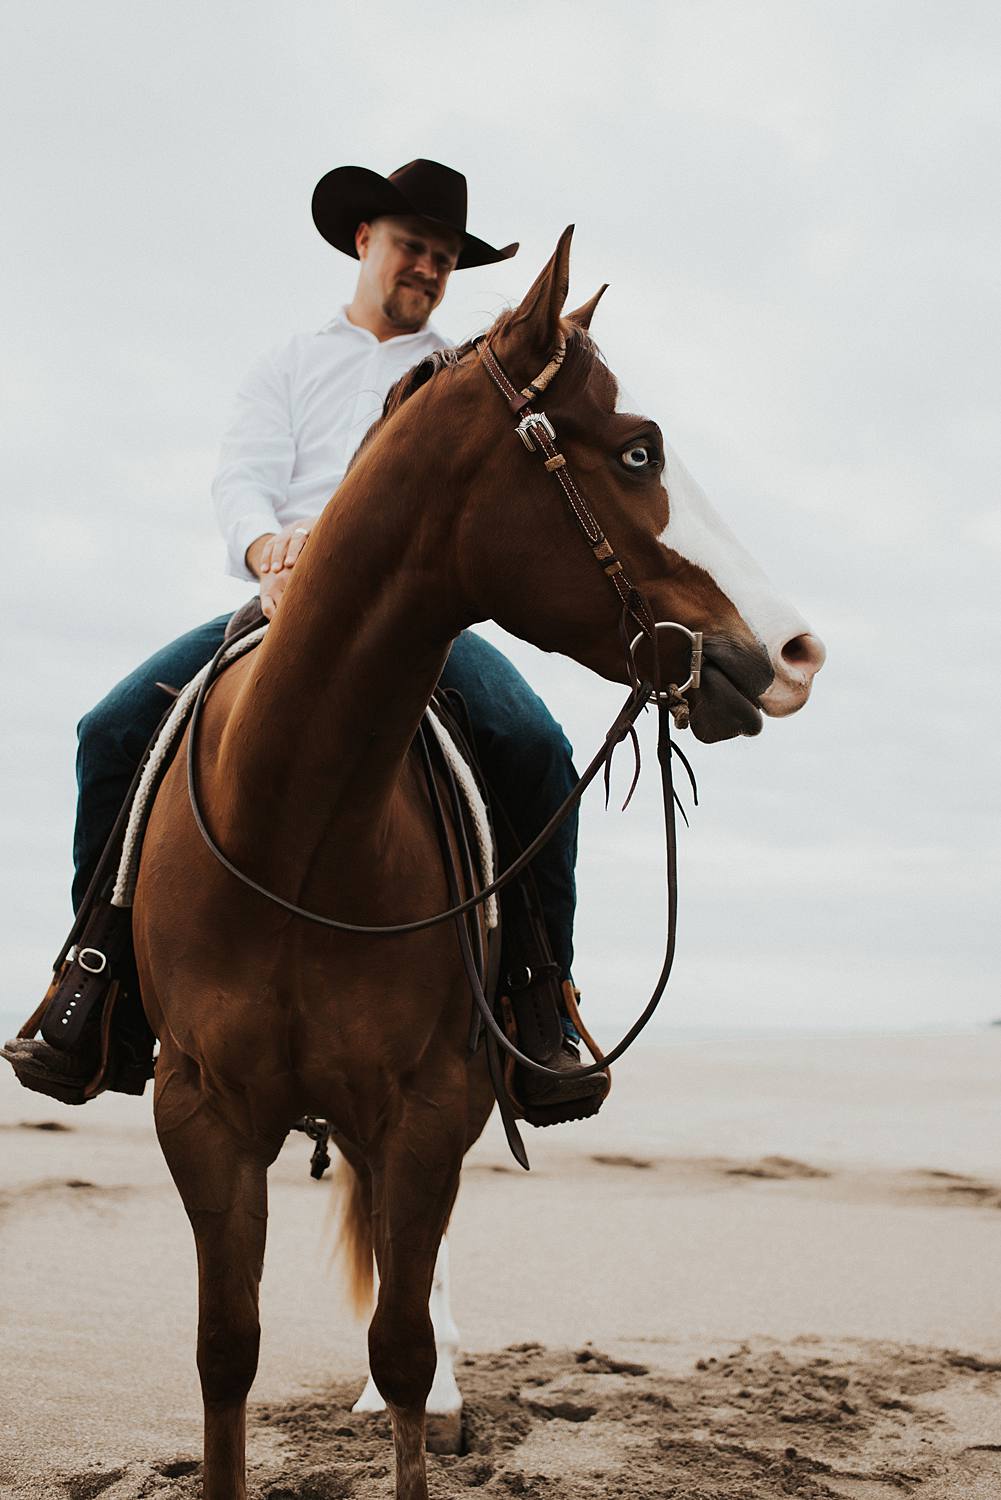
349 196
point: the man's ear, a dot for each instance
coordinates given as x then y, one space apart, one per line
529 339
582 315
363 235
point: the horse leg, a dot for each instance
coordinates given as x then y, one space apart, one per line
223 1185
414 1193
444 1402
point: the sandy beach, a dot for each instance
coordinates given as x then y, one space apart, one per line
768 1269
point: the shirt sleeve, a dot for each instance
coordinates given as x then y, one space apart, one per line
255 462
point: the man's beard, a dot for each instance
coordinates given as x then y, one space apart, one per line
407 309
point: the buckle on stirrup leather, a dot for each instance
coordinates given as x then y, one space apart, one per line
535 419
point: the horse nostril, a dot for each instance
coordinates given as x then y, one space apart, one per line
805 654
795 650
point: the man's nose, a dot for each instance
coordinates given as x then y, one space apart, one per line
425 265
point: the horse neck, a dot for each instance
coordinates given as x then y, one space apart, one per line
359 640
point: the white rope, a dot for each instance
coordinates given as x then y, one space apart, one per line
128 865
477 810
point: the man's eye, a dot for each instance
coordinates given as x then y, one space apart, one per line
636 457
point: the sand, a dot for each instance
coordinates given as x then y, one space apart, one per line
768 1269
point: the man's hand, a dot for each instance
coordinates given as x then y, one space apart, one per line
272 558
272 588
282 550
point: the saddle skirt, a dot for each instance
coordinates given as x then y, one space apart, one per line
166 743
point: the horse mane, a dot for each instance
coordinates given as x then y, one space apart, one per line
580 349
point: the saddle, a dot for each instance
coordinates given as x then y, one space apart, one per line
92 1019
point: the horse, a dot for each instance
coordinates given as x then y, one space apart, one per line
308 784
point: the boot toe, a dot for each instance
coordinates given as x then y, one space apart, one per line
31 1054
539 1091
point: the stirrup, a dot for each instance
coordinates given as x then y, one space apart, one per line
39 1067
533 1020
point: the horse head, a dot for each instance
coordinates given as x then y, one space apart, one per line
526 565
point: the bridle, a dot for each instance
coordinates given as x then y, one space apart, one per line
536 432
538 435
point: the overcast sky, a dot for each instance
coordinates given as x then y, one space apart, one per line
796 205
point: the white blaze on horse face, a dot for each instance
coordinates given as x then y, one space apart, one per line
695 532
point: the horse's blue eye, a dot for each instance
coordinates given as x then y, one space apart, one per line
636 457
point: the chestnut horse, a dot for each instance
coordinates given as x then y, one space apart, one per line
308 785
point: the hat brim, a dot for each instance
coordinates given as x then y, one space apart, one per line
349 196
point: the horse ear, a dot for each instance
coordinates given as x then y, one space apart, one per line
530 333
582 315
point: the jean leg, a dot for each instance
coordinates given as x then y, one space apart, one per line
114 734
528 760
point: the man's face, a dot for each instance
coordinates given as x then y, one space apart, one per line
405 266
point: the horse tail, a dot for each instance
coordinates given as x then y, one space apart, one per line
354 1240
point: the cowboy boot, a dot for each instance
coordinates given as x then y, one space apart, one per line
79 1053
539 1009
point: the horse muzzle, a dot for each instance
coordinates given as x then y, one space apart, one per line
735 676
741 681
796 664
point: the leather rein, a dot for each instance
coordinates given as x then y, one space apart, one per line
538 435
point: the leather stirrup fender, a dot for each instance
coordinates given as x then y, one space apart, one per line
97 961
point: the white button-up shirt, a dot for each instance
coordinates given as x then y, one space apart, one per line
300 415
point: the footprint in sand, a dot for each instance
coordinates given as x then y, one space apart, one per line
776 1169
622 1161
958 1187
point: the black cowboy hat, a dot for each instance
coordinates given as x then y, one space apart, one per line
349 196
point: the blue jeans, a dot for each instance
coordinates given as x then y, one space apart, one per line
526 757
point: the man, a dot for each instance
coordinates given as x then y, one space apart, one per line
300 415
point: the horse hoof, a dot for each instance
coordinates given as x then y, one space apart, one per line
444 1432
